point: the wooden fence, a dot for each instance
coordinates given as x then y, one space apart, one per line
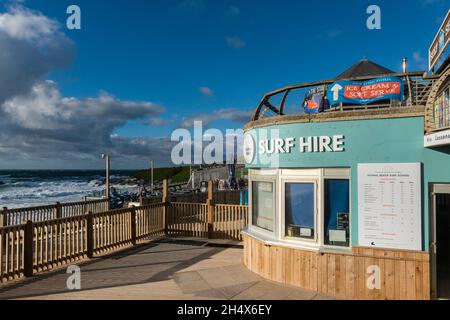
34 247
187 220
37 246
9 217
223 197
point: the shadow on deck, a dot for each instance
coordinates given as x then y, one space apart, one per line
164 269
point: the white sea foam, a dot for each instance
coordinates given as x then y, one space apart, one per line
35 193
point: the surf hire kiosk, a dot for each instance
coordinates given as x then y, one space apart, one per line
350 197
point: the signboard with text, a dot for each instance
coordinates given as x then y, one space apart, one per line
365 92
390 206
437 139
440 42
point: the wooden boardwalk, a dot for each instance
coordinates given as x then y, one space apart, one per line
165 269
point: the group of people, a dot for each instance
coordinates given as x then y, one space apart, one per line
230 184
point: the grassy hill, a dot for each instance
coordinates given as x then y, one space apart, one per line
176 174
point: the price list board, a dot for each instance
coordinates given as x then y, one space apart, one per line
390 206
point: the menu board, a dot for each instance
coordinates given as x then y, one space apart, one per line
389 205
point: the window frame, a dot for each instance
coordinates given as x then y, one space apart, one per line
269 176
337 176
308 180
279 178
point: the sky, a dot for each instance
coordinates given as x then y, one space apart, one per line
137 70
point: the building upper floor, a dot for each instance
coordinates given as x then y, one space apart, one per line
364 91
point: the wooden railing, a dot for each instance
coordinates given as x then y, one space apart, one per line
207 220
34 247
222 197
58 242
188 220
11 252
38 246
228 221
150 221
9 217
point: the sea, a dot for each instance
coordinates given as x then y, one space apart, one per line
25 188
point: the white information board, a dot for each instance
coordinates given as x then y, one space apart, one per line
390 205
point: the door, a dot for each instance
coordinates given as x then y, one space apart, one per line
440 245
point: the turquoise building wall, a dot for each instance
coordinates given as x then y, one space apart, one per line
399 140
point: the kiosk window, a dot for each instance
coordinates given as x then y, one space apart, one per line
337 212
299 209
263 205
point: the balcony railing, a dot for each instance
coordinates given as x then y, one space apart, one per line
288 100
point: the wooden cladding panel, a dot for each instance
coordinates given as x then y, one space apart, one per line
404 275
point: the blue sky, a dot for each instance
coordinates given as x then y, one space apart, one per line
201 57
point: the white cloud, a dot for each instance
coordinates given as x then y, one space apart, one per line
230 114
40 127
31 46
159 122
23 24
235 42
206 91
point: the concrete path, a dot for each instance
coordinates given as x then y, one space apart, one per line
160 270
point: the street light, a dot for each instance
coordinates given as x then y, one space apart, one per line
106 158
151 178
404 65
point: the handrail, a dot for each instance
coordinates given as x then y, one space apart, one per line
416 92
48 212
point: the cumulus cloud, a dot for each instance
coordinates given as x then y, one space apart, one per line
206 91
50 125
235 42
40 127
159 122
230 114
31 46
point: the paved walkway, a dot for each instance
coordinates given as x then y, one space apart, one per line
160 270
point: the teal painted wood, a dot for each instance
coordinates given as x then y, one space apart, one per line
399 140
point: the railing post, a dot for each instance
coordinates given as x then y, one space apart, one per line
28 249
165 200
90 235
133 225
84 204
210 204
57 210
4 217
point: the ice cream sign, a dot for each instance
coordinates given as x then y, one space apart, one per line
364 92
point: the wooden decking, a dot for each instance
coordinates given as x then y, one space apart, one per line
165 269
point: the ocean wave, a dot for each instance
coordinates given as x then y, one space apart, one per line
32 193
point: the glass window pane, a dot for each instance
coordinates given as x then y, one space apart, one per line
299 210
263 205
337 212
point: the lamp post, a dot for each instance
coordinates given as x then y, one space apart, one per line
106 158
404 65
151 176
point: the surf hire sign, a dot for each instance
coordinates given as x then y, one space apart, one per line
365 92
266 150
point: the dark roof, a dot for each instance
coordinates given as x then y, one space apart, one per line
364 68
